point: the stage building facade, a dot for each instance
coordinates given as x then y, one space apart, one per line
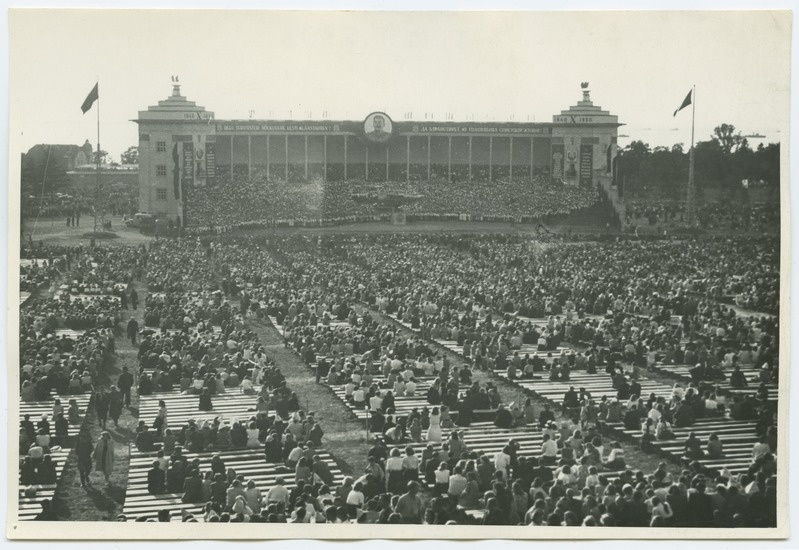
183 146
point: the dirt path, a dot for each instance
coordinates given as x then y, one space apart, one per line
345 436
99 501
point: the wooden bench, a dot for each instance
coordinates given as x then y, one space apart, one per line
247 462
682 373
486 438
29 507
232 405
738 437
596 384
37 409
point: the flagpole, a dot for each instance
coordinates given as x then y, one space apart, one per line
691 192
97 178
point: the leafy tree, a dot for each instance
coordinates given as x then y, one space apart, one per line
727 138
721 165
44 167
131 155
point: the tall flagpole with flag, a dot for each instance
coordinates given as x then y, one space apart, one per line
690 99
94 96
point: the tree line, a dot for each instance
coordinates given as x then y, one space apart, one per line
724 166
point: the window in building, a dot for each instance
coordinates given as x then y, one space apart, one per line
160 170
160 146
160 194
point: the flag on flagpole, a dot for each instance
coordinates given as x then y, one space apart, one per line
93 96
685 103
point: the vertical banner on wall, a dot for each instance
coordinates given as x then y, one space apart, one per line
176 171
586 164
557 162
188 163
210 163
199 163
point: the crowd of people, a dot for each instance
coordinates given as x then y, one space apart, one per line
630 305
240 200
755 217
67 338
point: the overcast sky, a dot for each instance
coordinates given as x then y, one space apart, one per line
490 66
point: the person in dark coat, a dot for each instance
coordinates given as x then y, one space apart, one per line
321 469
205 400
124 383
503 418
133 330
156 479
101 404
192 488
700 507
273 450
115 405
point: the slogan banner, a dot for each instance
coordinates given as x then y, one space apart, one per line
188 163
199 158
586 164
210 163
484 129
557 162
278 127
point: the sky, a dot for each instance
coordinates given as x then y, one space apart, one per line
487 66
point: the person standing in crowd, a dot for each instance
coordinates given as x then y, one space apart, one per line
115 405
101 405
104 456
83 450
132 330
125 383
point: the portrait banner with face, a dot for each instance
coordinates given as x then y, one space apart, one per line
377 128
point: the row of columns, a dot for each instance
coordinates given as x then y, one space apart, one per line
407 159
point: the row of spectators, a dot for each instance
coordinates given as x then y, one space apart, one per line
204 348
66 340
328 272
752 218
263 200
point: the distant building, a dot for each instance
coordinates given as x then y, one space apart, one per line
182 146
120 183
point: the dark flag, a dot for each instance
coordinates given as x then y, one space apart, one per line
176 171
93 96
685 102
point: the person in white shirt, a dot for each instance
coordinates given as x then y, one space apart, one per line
615 458
549 450
760 448
457 483
654 414
592 480
359 397
410 388
660 508
355 500
502 461
278 494
375 402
